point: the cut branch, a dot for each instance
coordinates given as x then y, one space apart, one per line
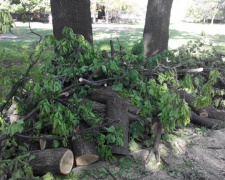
58 161
198 70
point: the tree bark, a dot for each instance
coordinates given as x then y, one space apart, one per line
210 110
58 161
207 122
84 150
74 14
117 109
156 31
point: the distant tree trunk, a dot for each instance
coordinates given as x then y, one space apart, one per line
106 15
156 31
75 14
213 17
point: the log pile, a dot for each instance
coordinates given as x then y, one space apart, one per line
106 101
115 110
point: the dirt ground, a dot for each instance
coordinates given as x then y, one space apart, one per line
192 157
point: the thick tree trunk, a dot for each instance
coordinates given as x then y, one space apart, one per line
74 14
84 150
58 161
156 31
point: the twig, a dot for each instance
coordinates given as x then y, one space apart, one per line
71 86
52 137
215 147
91 83
35 33
71 68
110 173
100 67
19 83
112 48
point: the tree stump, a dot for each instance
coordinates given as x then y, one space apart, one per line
58 161
84 150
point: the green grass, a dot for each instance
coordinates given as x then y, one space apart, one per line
14 51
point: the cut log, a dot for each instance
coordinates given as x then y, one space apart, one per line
213 112
210 110
49 144
202 113
132 114
207 122
57 161
102 94
117 109
33 145
84 150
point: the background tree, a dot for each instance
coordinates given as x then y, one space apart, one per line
119 6
156 30
201 10
74 14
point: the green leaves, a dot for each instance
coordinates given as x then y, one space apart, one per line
16 127
105 142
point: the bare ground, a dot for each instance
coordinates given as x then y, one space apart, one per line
196 156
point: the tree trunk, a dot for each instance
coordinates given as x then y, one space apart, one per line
74 14
58 161
107 16
94 4
156 31
213 17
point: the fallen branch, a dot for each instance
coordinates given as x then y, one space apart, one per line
155 149
207 122
198 70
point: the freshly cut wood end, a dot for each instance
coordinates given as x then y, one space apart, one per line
42 143
86 159
66 163
204 114
80 79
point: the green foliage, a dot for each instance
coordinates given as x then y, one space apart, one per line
5 21
206 9
136 129
105 142
18 166
136 83
206 99
138 49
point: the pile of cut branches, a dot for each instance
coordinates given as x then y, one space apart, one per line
83 104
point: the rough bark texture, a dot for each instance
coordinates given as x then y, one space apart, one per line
58 161
84 150
207 122
101 94
156 31
210 110
117 109
72 13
